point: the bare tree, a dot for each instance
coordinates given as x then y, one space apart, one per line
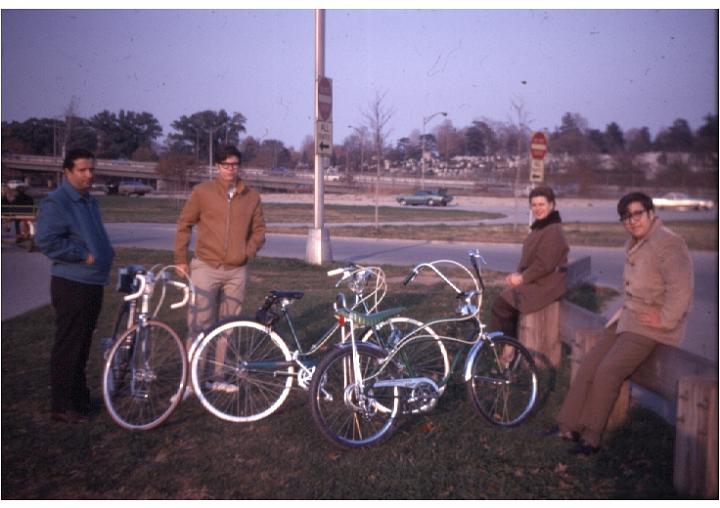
522 122
377 117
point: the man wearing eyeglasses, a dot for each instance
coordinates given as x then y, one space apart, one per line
658 284
230 232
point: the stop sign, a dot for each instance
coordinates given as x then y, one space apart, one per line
324 99
538 145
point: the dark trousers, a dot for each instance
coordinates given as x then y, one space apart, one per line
504 317
77 307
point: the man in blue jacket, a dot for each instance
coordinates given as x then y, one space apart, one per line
71 233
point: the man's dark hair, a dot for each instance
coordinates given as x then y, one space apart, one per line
75 154
542 191
227 151
634 197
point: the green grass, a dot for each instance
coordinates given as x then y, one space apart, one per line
700 235
134 209
451 453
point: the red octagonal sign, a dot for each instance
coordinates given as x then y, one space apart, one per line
538 145
324 99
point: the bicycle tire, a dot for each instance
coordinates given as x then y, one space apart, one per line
503 383
345 417
256 372
144 376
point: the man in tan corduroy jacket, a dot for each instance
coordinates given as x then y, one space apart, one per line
230 232
658 285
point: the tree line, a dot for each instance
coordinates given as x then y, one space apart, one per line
135 136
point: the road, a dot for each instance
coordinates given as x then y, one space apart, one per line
571 209
30 271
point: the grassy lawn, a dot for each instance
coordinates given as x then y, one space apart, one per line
448 454
123 209
700 235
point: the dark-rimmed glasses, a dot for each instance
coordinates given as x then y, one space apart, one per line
632 216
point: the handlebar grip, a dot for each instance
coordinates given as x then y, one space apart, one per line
335 271
409 278
181 303
141 279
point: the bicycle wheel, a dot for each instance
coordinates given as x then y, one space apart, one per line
242 371
144 375
424 356
347 414
503 383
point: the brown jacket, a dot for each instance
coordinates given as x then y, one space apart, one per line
658 276
229 231
544 253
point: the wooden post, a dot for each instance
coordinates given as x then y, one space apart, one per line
585 341
540 333
696 438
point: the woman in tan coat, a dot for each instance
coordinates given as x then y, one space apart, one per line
540 278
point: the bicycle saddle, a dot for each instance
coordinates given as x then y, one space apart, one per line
290 295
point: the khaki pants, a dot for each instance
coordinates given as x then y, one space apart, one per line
219 294
596 386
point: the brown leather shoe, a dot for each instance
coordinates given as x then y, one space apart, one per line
69 416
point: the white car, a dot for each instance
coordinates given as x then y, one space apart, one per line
681 200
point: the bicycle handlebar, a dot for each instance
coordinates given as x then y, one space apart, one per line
186 294
133 296
410 278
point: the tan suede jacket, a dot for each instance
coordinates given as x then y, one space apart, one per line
229 231
658 276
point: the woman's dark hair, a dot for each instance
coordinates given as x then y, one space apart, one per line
634 197
226 151
73 155
542 191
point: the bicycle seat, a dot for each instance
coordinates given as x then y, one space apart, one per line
290 295
372 319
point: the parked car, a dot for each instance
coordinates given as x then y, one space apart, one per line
136 188
332 175
680 200
14 184
429 197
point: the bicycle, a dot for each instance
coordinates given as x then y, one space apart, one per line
146 369
359 390
257 367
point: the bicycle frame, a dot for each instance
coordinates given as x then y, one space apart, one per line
468 310
357 277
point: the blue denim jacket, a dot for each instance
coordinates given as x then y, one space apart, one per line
69 227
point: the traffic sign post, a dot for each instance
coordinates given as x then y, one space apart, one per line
538 150
323 126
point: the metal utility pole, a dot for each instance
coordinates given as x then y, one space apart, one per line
318 244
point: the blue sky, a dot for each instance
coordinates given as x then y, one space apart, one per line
636 67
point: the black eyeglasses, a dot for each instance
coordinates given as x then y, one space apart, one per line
632 216
230 165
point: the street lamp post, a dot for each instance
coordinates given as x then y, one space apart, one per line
426 119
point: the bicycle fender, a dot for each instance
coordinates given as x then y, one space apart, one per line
467 375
